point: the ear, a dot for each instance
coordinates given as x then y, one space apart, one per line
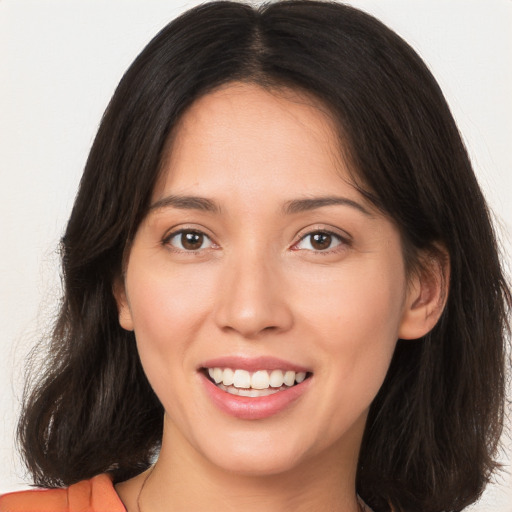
427 294
123 306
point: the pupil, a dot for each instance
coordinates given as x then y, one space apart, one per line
192 240
321 241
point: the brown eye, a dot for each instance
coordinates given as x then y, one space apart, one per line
189 240
320 241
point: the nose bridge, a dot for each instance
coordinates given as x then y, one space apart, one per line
251 293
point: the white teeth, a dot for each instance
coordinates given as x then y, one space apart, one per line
299 377
276 379
289 378
259 380
242 379
217 375
229 376
250 392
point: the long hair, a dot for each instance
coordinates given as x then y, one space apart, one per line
433 429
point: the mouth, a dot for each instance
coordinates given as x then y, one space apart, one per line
254 388
254 384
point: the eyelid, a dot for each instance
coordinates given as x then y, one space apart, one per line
344 238
175 231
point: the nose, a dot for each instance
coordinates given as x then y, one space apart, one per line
252 299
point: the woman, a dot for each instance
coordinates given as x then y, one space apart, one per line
275 196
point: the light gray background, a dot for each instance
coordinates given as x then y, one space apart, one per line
59 64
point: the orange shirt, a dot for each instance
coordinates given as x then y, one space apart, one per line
94 495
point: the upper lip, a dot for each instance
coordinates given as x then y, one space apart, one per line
252 364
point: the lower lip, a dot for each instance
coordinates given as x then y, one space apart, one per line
254 408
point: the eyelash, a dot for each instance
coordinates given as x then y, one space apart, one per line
343 242
167 241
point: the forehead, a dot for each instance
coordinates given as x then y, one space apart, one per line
242 136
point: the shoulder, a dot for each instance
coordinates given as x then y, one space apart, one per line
94 495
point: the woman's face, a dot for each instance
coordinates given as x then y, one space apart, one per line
258 262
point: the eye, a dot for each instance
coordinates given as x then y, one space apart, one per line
320 241
188 240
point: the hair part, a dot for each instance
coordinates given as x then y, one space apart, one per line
434 427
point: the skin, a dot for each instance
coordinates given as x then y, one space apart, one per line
257 286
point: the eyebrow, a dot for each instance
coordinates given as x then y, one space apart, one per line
186 203
302 205
290 207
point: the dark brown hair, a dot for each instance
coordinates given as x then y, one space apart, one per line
433 429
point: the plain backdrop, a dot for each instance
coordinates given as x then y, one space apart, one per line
59 64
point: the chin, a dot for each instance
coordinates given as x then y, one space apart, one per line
257 465
258 453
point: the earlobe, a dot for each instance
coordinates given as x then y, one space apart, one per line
427 295
123 307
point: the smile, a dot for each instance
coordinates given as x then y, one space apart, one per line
241 388
254 384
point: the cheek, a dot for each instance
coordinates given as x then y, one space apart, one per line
165 299
355 317
359 298
168 308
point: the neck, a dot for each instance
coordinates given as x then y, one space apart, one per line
184 480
